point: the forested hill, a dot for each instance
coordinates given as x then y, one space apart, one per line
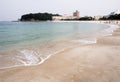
37 17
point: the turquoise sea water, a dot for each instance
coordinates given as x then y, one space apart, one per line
29 43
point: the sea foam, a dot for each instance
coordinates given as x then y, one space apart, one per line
29 57
109 30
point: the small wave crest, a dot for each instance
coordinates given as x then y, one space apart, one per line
86 41
92 40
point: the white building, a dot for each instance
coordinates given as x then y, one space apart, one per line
76 15
97 17
64 17
116 12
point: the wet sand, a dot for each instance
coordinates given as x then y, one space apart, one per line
98 62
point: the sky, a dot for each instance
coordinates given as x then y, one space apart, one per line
13 9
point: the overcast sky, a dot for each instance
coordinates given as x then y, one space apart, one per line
13 9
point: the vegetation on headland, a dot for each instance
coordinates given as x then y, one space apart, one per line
111 17
86 18
37 17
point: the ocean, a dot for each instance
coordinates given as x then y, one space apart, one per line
31 43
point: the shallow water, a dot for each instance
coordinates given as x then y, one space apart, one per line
30 43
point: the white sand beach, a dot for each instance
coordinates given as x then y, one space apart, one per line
99 62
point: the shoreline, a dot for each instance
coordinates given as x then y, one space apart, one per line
39 60
78 64
30 55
